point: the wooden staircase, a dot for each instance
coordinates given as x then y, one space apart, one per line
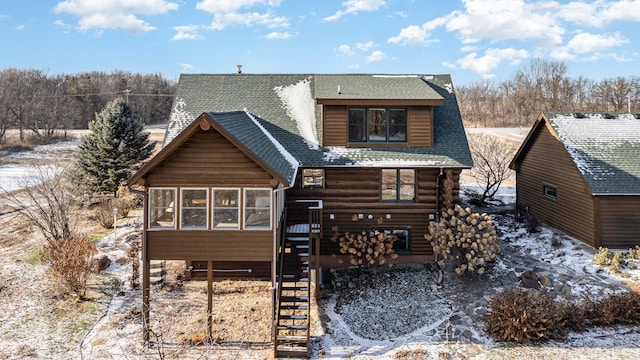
294 299
298 248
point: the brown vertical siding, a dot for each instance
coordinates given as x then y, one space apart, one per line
420 125
208 159
619 218
350 192
547 163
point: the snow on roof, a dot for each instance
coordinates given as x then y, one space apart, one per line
298 101
287 155
601 145
178 121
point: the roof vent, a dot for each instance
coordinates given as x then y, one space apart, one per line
636 115
579 115
339 91
608 116
239 66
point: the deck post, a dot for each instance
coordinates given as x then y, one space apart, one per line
146 275
209 299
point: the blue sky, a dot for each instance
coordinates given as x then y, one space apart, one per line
473 40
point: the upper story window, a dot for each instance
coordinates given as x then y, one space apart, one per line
312 178
193 209
398 185
226 209
162 208
383 125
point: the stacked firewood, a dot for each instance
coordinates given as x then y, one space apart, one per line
367 248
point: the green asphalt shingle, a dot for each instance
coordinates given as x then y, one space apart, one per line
261 95
605 150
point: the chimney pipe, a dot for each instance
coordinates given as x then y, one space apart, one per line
239 66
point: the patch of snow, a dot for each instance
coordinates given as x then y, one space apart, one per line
287 155
14 177
300 106
178 121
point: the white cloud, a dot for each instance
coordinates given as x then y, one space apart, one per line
227 6
20 27
278 35
418 35
356 6
366 46
221 21
492 58
587 46
346 50
186 67
227 13
114 14
186 32
376 56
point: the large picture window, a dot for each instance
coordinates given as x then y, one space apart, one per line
377 125
162 208
193 209
257 209
226 209
397 185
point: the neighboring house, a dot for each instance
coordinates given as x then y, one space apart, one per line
580 173
349 151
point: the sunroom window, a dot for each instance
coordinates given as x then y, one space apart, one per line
193 209
162 207
257 209
226 208
386 125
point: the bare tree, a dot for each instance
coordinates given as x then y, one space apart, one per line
46 201
491 157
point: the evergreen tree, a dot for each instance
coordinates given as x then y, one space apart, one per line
110 153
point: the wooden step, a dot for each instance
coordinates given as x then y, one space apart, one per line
294 299
296 288
293 317
292 351
292 327
294 307
298 238
292 338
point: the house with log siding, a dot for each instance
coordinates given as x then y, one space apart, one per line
580 173
257 169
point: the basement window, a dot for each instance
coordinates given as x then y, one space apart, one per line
550 192
401 236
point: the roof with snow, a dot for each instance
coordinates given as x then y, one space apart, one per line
604 147
284 105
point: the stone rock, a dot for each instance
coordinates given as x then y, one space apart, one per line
529 280
101 264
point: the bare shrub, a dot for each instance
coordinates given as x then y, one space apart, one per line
525 316
104 213
69 262
467 239
368 248
125 201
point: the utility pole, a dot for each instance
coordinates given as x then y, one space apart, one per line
126 95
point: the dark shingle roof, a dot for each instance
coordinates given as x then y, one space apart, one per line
250 132
605 150
285 106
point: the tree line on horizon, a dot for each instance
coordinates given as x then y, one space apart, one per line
43 105
544 86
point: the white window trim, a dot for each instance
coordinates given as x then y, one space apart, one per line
150 219
244 209
213 207
206 209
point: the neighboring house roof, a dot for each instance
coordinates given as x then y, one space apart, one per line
285 105
604 147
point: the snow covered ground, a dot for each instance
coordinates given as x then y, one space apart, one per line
401 317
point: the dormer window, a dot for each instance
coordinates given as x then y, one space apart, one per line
377 125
